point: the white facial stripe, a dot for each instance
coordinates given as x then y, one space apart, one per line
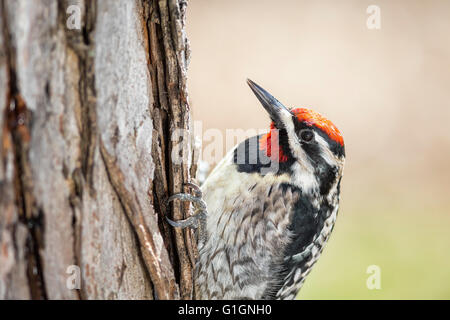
304 173
304 179
294 143
326 153
304 176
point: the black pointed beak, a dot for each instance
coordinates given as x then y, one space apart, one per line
277 111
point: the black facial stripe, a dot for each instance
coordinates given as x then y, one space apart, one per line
325 172
327 177
250 159
335 147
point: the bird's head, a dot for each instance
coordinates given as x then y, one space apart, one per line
302 139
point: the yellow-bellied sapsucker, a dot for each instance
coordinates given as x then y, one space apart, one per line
267 209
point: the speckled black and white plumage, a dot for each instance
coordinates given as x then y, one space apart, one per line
271 207
264 232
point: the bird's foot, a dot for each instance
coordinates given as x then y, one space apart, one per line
198 219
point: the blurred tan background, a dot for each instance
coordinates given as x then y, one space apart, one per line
387 90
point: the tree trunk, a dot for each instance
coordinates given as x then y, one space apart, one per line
86 163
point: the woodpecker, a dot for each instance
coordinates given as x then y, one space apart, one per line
267 209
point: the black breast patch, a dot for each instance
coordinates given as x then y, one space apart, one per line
250 159
307 222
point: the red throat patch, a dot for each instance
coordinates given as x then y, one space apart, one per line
270 142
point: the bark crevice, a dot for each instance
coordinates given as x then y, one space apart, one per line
18 120
161 275
82 43
86 150
168 66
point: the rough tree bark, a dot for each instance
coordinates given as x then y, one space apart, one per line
86 149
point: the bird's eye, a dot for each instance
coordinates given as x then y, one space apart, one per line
306 135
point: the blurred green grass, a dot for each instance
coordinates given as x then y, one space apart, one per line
411 248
